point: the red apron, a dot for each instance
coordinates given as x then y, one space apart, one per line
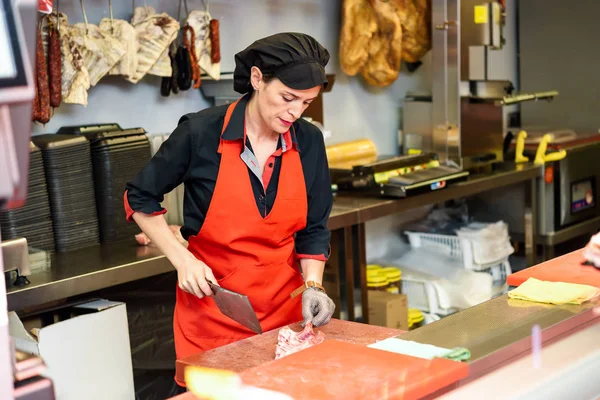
247 253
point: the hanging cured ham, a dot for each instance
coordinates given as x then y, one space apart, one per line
377 35
416 30
385 53
359 24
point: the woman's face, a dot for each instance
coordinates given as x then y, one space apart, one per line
279 105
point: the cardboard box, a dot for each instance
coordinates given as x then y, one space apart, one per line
388 310
85 347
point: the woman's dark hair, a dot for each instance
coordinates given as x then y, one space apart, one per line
268 77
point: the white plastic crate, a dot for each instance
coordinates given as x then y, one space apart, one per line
423 296
476 253
500 272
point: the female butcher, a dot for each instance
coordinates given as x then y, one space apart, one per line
257 198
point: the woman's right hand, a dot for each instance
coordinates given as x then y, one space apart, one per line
192 275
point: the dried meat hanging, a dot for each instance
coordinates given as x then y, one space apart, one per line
155 33
359 25
41 102
205 30
183 62
100 51
189 43
169 83
54 62
48 94
385 48
126 34
74 79
416 32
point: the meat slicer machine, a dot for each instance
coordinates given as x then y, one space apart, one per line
463 119
21 375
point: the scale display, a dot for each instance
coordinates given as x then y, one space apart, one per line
582 196
8 69
15 85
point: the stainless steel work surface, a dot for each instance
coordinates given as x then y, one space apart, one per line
567 369
97 267
500 329
93 268
86 270
506 174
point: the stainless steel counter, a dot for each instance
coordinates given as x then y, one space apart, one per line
499 331
87 270
98 267
370 208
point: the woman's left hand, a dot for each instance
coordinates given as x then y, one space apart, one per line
317 307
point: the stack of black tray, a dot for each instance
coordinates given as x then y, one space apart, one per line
117 156
88 129
33 220
69 176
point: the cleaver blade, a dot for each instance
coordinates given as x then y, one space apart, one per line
236 306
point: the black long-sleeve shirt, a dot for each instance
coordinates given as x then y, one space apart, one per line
190 156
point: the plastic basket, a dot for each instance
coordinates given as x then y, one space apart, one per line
423 296
500 273
475 254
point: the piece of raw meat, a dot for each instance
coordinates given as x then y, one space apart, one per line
290 342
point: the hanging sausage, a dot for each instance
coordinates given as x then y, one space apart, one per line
215 45
54 65
188 41
41 106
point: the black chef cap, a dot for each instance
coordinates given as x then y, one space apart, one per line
298 60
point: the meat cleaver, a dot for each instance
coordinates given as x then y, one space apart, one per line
236 306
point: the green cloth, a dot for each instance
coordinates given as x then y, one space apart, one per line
458 354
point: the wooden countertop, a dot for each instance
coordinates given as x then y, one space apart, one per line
259 349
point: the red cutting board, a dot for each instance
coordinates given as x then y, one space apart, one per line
342 370
259 349
568 268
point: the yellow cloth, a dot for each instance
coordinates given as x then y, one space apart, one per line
553 292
